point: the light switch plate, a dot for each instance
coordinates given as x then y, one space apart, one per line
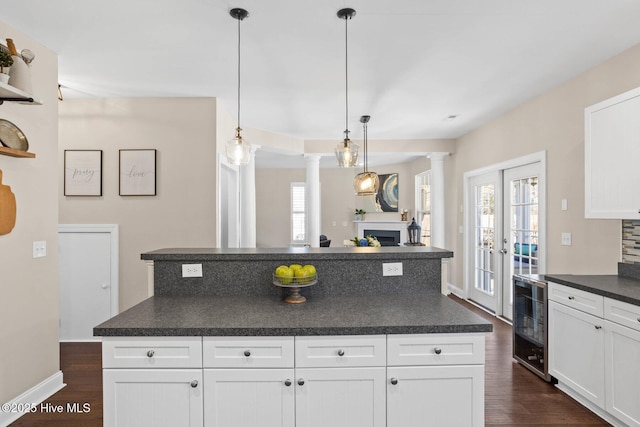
39 249
566 239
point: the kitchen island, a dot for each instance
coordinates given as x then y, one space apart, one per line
364 350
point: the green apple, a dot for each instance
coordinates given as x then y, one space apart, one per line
301 275
310 269
284 274
295 267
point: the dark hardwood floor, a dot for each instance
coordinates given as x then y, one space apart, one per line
513 395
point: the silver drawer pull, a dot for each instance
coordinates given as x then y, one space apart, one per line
571 297
150 353
341 352
394 381
437 350
194 383
638 319
287 382
247 353
301 381
598 327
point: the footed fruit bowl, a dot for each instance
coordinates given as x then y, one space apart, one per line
294 284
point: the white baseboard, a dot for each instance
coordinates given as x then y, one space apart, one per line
457 291
590 405
31 398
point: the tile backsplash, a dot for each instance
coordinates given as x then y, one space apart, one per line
631 241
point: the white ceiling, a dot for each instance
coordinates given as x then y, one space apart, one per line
412 63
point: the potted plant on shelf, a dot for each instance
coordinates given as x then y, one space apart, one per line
6 61
359 215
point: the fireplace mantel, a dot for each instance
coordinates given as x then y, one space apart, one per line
400 226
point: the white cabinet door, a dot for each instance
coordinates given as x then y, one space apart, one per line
421 396
576 351
623 373
340 397
249 398
612 153
152 397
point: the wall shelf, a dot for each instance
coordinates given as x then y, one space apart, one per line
10 93
6 151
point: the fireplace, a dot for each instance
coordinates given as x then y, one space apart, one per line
388 233
385 237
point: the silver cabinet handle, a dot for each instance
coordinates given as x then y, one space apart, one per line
301 381
194 383
598 327
571 297
287 382
247 353
341 352
437 350
150 353
638 319
503 251
394 381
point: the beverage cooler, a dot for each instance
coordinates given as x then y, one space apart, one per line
530 323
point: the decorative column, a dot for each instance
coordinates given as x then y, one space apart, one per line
312 199
437 199
248 201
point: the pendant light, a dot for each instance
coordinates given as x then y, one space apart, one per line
346 151
238 150
366 183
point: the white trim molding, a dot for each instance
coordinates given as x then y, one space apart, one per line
32 398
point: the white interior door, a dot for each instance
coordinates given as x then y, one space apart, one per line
505 228
88 279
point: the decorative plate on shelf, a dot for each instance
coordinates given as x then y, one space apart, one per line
11 136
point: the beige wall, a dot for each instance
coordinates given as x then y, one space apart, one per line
338 201
183 212
553 122
29 287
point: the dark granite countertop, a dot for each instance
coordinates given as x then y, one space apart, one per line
296 253
325 315
611 286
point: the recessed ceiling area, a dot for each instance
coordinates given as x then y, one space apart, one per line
412 63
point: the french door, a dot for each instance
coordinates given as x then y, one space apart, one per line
505 229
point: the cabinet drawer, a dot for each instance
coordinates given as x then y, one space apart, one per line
435 349
622 312
341 351
576 298
152 352
248 352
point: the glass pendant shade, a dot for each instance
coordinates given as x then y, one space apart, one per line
238 150
347 153
366 184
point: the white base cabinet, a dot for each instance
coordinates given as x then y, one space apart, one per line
152 397
576 340
325 381
456 396
594 349
622 370
249 397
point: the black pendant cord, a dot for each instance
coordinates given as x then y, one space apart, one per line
365 149
346 78
239 74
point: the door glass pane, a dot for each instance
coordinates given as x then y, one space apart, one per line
524 225
484 237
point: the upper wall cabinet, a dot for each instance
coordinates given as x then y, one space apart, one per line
612 158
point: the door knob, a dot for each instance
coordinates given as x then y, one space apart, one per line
503 251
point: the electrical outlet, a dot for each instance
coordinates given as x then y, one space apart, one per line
39 249
566 239
191 270
392 269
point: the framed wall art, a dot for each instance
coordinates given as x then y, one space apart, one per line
83 172
387 197
138 172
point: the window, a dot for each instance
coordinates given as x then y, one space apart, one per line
423 205
298 215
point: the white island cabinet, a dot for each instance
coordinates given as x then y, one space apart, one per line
309 381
